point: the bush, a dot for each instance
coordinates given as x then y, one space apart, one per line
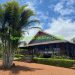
18 55
40 56
22 57
55 62
0 55
61 57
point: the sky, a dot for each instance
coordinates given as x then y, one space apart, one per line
56 17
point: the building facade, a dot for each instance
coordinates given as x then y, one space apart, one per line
44 43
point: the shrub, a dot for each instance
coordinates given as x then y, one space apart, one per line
61 57
55 62
0 55
18 55
40 56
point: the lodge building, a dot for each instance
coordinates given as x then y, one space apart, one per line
44 43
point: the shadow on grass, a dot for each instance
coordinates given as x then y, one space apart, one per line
15 70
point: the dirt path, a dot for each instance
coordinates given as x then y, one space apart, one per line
24 68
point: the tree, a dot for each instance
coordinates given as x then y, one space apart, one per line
73 40
13 19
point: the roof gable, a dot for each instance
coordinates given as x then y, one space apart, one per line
41 37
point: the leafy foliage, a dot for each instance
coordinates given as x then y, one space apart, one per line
14 18
61 57
55 62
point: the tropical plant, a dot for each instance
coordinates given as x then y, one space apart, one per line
13 19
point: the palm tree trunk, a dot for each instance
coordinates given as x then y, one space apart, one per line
7 60
7 54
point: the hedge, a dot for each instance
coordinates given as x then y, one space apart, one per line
18 55
55 62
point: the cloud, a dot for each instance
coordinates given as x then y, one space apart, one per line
31 5
42 16
62 27
65 7
39 15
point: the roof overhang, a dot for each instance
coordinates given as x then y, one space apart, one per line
45 43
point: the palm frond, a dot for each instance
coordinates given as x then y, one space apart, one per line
36 28
33 21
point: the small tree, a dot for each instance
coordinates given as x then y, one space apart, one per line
13 19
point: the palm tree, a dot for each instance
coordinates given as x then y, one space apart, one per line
13 19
